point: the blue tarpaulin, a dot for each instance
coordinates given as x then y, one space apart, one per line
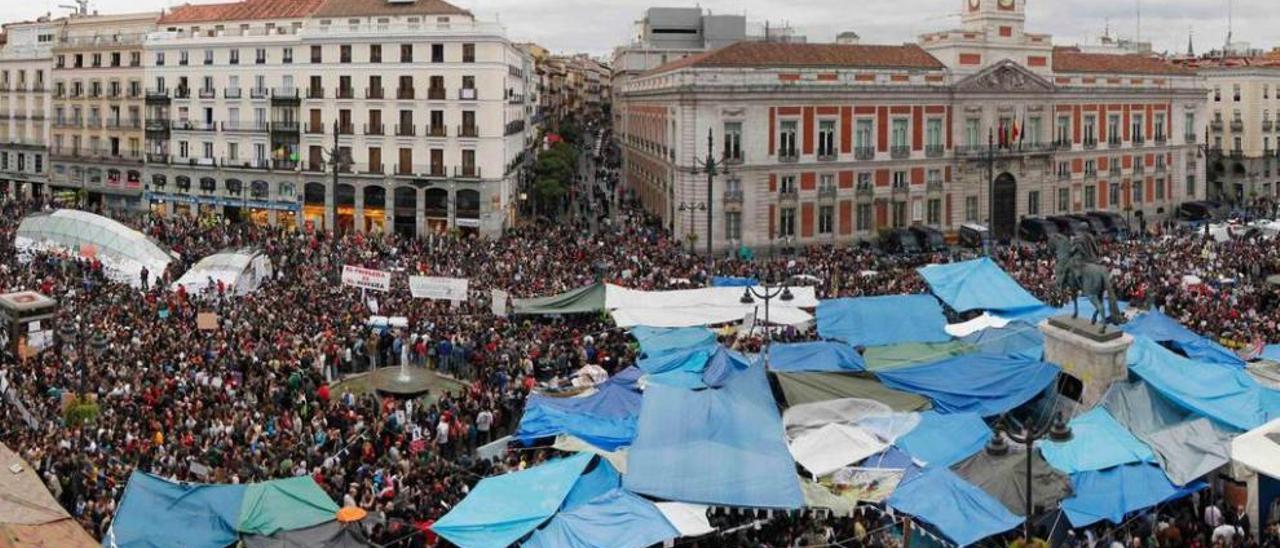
958 509
1161 328
730 281
879 321
1019 339
156 513
615 519
1112 493
824 356
605 419
692 368
977 383
722 446
1036 315
1220 392
1271 352
979 284
1098 442
502 509
656 341
894 459
943 440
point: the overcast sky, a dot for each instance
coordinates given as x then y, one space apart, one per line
596 26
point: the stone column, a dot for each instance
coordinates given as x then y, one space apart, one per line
330 200
359 216
420 213
1095 359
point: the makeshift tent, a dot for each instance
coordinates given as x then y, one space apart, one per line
605 418
571 444
1161 328
686 440
692 367
807 417
814 357
877 321
240 272
616 519
987 385
801 388
959 510
284 505
943 440
705 306
1271 352
978 324
727 281
656 341
1098 442
124 252
1221 392
1187 447
832 447
584 300
1018 339
1004 477
29 515
1110 494
331 534
1255 459
897 356
979 284
689 519
502 509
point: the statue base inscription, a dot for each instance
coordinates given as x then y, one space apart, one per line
1093 359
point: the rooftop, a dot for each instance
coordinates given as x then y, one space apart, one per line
798 55
344 8
1069 60
245 10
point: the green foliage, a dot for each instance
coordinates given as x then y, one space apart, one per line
82 411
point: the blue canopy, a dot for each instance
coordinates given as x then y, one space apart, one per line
1098 442
616 519
156 512
878 321
979 284
894 459
1110 494
502 509
1271 352
729 281
1161 328
824 356
722 446
605 419
1036 315
656 341
692 368
1018 339
978 383
1220 392
958 509
943 440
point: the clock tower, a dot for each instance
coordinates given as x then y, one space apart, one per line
997 18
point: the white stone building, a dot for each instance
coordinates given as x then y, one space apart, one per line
26 63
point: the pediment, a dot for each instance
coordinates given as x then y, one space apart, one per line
1006 76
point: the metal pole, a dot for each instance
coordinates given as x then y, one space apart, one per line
333 157
991 182
711 175
1026 524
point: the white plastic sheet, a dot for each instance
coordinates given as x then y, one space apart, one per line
983 322
833 447
689 519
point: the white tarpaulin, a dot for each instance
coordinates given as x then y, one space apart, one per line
573 444
689 519
985 321
617 297
438 289
706 315
241 272
124 252
833 447
798 419
1258 450
364 278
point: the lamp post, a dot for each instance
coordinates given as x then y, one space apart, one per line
1206 151
1056 431
767 294
691 207
711 167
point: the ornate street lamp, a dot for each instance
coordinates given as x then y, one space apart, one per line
767 294
1056 431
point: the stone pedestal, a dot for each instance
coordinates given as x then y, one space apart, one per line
1095 359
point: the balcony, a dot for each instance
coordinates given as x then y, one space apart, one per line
468 131
244 127
346 129
1237 153
285 127
435 94
231 93
733 197
404 94
1139 168
1113 142
1138 140
1267 125
259 93
68 123
287 94
157 158
1090 143
244 163
1064 175
827 193
124 124
933 187
865 192
1190 138
182 93
513 127
374 129
788 156
788 195
900 189
1090 175
313 167
285 165
864 153
466 172
934 151
373 169
315 93
899 152
374 93
1215 125
1161 168
1161 140
1237 125
467 94
406 130
208 94
826 155
437 131
436 170
1115 170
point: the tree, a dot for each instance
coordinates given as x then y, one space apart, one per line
548 191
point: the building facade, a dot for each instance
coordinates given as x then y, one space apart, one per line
26 64
831 143
1243 133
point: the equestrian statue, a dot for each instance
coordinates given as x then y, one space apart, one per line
1077 271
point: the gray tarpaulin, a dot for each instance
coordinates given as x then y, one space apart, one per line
800 388
1004 478
1187 447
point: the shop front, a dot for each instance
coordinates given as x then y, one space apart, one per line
313 211
406 209
468 210
375 209
344 218
436 209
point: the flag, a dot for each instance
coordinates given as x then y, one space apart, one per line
1000 134
1017 133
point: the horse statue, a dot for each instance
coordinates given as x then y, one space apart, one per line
1077 271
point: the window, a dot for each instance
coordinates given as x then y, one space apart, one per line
208 151
234 56
971 209
826 219
934 211
287 56
972 133
233 151
260 56
468 53
1190 121
787 139
864 217
787 185
899 214
1090 123
437 53
733 225
1032 130
1033 202
1063 136
159 58
1235 94
933 133
900 180
184 57
899 134
406 53
1135 129
1158 126
1114 193
733 141
1266 91
1090 197
1137 192
827 139
787 222
1159 189
1064 199
1091 168
1191 186
208 57
316 55
862 137
344 53
375 53
864 181
1217 94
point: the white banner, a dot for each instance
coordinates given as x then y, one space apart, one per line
438 289
498 304
365 278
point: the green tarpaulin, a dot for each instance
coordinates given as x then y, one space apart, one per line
284 505
583 300
884 358
800 388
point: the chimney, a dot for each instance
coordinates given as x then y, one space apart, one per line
848 38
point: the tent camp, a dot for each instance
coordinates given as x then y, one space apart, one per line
29 515
1163 329
1255 457
704 306
878 321
241 272
124 252
605 417
584 300
979 284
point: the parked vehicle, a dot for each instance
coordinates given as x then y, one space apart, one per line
1032 229
1068 226
931 239
974 236
1116 226
1096 226
900 240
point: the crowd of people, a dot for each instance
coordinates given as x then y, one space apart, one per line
263 396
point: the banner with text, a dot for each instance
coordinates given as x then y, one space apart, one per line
438 289
365 278
498 302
